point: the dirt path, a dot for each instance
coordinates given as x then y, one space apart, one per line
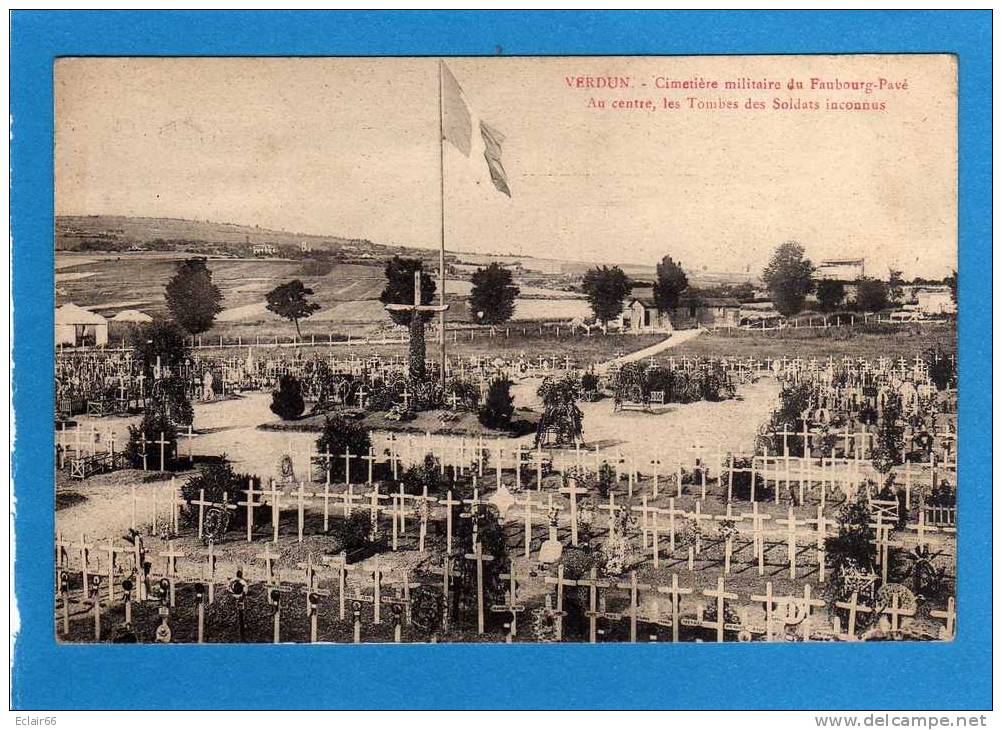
673 340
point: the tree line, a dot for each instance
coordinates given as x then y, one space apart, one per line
193 300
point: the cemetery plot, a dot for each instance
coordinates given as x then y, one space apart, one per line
837 523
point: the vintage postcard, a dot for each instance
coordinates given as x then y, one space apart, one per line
505 349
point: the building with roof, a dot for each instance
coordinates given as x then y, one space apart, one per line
79 327
934 300
133 316
642 315
847 270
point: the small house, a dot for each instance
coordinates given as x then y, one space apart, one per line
79 327
642 315
935 300
707 312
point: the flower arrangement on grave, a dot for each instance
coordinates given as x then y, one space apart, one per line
687 533
544 622
942 495
339 435
400 414
219 484
692 476
143 448
462 395
561 415
727 530
427 609
352 533
851 554
287 402
730 615
794 400
931 583
616 549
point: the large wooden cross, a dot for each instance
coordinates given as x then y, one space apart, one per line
417 308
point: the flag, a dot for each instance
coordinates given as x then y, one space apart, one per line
456 125
492 153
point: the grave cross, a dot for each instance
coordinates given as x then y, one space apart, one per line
511 606
675 593
560 582
479 556
170 556
853 606
757 518
634 611
572 490
251 505
593 613
720 595
313 593
950 615
791 523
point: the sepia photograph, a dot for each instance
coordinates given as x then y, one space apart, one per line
507 349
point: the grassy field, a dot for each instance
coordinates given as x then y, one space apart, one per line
871 342
531 346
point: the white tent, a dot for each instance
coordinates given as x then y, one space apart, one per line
76 327
132 315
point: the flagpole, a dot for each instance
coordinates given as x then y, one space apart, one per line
441 251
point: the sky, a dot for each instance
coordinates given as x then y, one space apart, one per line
350 147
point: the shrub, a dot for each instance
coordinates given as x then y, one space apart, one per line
589 381
560 411
221 484
467 394
169 397
154 427
493 542
942 368
354 532
741 483
499 405
340 434
427 473
943 495
287 402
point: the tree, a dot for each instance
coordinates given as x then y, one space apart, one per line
161 342
192 298
871 295
287 402
671 282
492 300
951 281
290 301
831 294
606 287
499 405
895 284
788 277
399 289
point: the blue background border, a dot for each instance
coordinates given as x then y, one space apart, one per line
885 676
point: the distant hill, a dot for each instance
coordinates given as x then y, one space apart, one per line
124 233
